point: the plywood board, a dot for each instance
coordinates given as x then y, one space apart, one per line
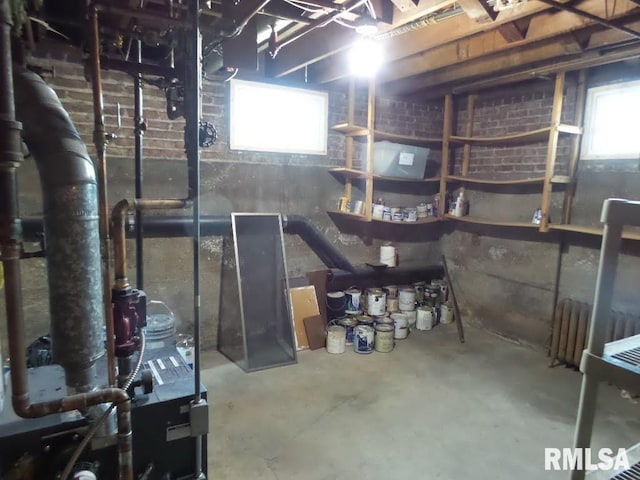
303 304
315 328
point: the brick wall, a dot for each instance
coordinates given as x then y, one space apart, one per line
164 137
512 110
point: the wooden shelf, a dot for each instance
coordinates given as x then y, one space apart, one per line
532 136
348 172
481 181
379 135
350 129
353 173
561 179
348 215
401 179
420 221
597 231
493 223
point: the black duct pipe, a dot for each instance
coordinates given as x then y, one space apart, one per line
162 226
71 224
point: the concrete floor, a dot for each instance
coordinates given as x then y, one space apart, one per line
433 409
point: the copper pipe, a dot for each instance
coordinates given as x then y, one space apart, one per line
99 140
118 217
19 384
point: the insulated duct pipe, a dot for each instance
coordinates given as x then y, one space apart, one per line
71 227
168 226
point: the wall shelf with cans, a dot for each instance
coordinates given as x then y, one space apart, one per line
366 178
349 208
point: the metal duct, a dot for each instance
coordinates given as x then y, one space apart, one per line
70 205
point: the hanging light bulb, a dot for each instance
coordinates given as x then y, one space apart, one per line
365 57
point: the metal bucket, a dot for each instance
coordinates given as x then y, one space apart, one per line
349 323
365 320
352 300
401 326
425 318
364 338
391 290
336 335
376 301
419 287
336 303
392 304
407 298
446 314
384 338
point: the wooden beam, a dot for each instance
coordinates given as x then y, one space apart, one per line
519 71
540 27
478 10
423 7
405 5
384 11
552 149
512 32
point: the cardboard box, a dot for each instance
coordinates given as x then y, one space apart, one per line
396 160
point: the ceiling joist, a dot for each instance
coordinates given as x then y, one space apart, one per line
478 10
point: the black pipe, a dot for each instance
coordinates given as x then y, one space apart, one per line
139 139
165 226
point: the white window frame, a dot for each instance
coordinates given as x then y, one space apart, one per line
257 122
594 96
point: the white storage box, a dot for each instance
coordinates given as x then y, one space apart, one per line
396 160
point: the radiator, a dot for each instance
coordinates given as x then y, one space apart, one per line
571 326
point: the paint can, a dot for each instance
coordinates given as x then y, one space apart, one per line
384 338
424 318
396 214
376 301
344 204
446 314
363 339
388 255
358 207
421 209
444 289
392 290
407 298
410 214
382 319
432 295
411 318
430 209
377 210
419 288
336 335
401 325
336 303
349 324
352 299
392 304
365 320
386 214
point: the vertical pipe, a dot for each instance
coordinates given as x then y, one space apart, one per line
99 139
139 136
193 79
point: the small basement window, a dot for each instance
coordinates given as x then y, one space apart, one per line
611 126
273 118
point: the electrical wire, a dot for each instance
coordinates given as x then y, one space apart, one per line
340 22
304 8
94 428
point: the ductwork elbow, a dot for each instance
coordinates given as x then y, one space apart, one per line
71 224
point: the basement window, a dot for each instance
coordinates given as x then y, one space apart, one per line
611 128
274 118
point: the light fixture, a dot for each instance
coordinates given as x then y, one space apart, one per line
365 57
366 25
